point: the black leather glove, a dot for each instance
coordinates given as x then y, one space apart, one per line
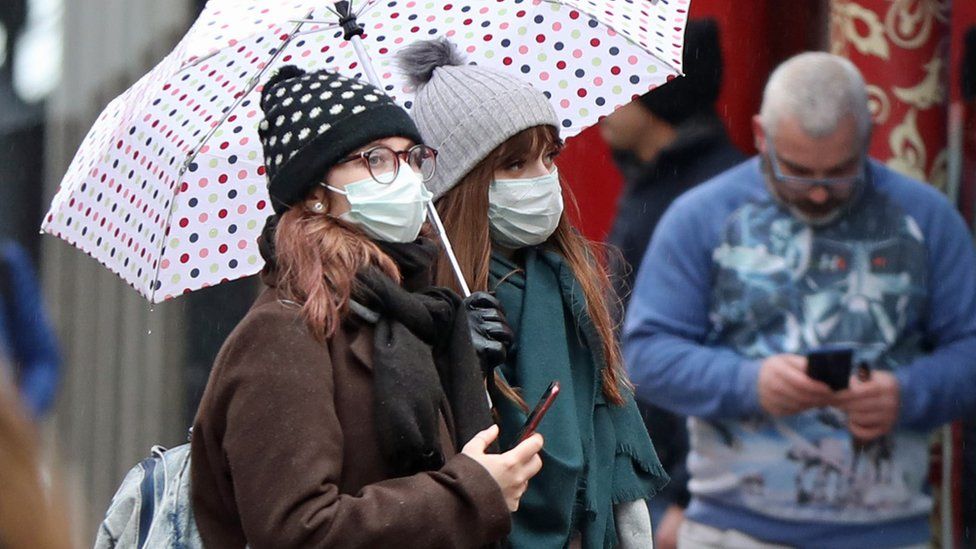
490 334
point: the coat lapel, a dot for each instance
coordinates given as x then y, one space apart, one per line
359 340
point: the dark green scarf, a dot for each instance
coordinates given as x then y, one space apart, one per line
596 454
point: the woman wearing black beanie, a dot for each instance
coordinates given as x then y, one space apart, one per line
348 407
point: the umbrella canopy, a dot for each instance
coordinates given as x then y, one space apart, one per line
168 188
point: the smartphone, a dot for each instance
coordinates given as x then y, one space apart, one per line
831 366
532 422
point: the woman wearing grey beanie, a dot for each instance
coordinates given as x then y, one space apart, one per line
499 195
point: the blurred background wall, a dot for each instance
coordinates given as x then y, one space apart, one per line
131 373
121 382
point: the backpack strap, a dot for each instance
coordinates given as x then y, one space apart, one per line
147 495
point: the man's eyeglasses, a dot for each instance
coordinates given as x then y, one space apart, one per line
383 162
804 183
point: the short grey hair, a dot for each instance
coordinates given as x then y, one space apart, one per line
819 90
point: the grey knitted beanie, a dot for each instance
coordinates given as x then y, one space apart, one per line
466 111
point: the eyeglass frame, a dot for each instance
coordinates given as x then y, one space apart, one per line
800 182
362 155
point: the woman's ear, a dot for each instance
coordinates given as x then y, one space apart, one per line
317 200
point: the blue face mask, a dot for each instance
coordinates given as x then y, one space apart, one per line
392 212
524 212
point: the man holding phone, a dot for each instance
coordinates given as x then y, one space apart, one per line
760 292
871 405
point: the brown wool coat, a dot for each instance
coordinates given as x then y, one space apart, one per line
284 450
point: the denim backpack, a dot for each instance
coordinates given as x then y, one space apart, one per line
152 508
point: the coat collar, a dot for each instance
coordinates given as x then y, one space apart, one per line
359 339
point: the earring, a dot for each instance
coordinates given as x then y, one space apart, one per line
318 207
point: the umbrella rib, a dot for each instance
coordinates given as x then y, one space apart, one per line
313 31
332 24
332 11
624 36
197 61
251 84
362 8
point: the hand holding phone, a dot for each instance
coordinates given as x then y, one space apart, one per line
532 422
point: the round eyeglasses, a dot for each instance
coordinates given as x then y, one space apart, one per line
802 184
383 162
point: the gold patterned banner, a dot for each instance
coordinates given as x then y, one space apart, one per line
902 48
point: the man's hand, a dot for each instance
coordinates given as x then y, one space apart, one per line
785 389
666 532
871 406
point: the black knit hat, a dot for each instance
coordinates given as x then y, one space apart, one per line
313 120
696 91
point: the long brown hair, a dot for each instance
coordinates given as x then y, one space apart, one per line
29 517
316 261
464 210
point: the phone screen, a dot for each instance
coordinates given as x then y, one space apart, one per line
831 366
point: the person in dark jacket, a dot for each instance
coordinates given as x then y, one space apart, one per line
28 347
348 408
500 197
666 142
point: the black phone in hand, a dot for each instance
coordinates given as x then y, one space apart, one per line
831 366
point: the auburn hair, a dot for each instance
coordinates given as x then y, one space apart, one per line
464 212
316 259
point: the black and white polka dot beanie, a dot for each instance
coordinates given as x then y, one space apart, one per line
313 120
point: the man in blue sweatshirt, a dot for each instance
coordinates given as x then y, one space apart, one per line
809 246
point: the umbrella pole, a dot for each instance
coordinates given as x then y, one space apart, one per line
357 44
353 33
435 218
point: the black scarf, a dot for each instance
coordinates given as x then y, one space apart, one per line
422 360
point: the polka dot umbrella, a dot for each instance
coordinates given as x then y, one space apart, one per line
168 189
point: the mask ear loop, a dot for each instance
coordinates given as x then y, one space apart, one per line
325 185
320 206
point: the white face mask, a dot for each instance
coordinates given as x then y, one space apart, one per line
524 212
391 213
